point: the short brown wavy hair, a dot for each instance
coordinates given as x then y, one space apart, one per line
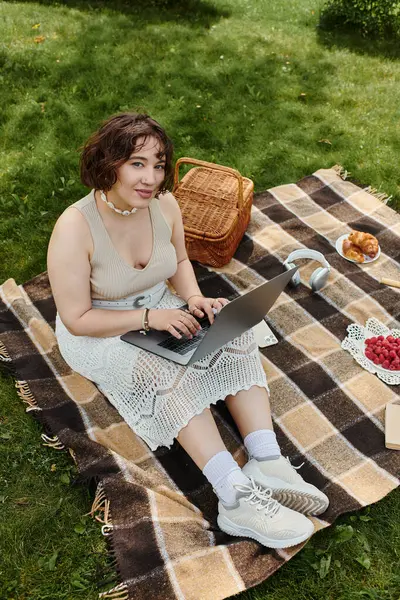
112 145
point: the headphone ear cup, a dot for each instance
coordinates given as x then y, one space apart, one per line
296 277
318 278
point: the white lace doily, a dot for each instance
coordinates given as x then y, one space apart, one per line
355 344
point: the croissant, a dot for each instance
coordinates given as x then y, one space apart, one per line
352 251
366 241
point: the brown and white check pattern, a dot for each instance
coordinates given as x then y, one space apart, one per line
328 411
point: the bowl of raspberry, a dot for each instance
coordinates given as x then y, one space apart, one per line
376 348
384 352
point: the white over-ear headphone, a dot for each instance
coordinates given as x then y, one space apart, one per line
319 277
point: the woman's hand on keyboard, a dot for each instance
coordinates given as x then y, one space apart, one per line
200 305
176 321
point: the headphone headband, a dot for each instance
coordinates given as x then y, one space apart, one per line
308 253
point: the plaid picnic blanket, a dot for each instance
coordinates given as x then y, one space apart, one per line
158 508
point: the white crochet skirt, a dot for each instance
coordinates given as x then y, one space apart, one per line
155 396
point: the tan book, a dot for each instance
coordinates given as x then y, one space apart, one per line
392 426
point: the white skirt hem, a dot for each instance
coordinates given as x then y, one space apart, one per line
175 432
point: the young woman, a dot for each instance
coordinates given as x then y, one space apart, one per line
109 258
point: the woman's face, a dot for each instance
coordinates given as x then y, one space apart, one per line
139 178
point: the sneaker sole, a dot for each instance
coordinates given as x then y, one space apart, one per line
232 529
298 500
301 502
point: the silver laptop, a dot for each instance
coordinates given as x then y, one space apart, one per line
233 319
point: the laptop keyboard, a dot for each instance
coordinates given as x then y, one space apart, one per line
185 345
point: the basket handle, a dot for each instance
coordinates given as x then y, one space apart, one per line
208 165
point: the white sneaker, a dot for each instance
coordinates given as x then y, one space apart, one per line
288 487
258 516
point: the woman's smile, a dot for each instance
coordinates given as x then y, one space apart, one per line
145 194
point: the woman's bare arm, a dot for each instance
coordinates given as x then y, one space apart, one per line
184 281
69 273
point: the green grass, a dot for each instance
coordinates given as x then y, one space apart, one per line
225 78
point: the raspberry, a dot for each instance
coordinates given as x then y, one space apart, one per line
380 338
386 364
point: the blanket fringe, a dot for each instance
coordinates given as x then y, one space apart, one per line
101 505
344 174
381 196
24 392
52 442
341 171
4 356
120 592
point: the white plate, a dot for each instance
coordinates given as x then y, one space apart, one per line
367 259
355 344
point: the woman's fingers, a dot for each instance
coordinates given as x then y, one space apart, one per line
190 321
186 324
197 311
189 328
171 329
219 303
209 312
182 328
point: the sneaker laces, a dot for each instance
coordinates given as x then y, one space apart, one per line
260 497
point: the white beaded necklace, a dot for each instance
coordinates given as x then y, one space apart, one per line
124 213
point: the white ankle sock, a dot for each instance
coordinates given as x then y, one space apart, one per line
262 445
223 472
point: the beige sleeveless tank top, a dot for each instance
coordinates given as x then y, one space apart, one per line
112 278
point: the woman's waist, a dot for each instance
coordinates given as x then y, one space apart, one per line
144 299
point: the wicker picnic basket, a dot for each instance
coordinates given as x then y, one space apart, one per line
215 202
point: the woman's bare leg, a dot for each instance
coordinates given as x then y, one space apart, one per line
250 410
201 438
202 441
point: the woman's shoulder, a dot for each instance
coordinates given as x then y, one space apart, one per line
169 207
83 203
72 223
169 203
74 213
